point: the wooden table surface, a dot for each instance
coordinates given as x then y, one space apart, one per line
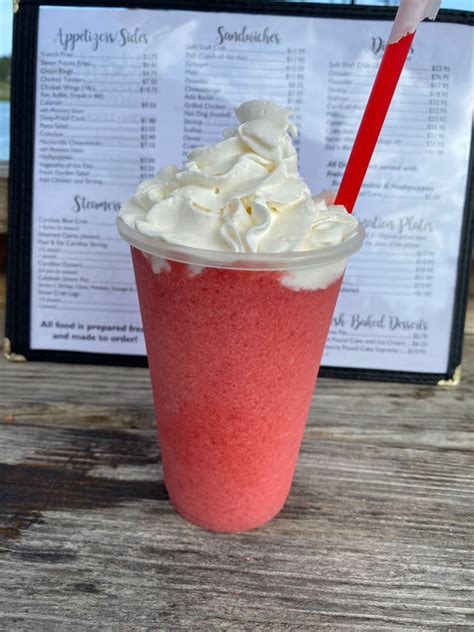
377 533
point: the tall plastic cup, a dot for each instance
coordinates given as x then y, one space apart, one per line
234 343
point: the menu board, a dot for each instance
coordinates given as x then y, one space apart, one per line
120 93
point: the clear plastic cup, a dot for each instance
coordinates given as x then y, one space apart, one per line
234 343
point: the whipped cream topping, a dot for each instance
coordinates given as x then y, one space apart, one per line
243 194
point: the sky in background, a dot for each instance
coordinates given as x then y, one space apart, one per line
5 27
465 5
6 17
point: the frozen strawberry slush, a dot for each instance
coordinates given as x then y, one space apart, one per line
238 267
233 358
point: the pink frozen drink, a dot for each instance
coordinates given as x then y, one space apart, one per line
238 270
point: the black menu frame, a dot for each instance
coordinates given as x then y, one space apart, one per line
17 341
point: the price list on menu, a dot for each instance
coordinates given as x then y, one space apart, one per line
209 92
120 93
96 119
396 304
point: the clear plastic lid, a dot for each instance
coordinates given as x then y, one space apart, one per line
239 260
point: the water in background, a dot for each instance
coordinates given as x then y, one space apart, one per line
4 130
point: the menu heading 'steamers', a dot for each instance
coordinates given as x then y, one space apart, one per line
243 194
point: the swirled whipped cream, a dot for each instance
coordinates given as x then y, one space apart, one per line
243 194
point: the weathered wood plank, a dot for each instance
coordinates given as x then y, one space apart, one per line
371 538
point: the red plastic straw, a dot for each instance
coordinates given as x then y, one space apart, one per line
376 110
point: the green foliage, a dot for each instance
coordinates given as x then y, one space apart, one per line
5 68
4 91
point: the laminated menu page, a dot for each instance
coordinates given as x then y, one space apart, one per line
119 93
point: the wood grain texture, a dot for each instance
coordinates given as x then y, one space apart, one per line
377 533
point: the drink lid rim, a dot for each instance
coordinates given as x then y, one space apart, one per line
242 260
